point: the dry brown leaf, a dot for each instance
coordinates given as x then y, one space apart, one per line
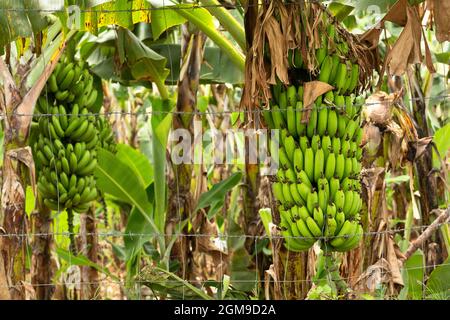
394 262
442 19
418 148
428 58
277 47
312 91
397 13
406 49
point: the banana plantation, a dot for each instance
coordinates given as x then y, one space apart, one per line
224 150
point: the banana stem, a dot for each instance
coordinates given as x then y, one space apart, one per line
72 246
332 270
227 21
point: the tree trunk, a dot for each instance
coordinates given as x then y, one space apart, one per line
424 165
89 247
41 270
13 219
181 201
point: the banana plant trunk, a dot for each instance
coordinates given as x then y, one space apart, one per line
41 266
17 104
89 244
181 200
424 165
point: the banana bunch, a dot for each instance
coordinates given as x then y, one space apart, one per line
71 82
68 136
106 135
319 162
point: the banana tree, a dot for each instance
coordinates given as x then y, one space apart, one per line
21 87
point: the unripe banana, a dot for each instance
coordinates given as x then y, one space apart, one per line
330 166
339 200
290 175
291 118
303 213
289 146
336 145
334 69
278 119
332 122
352 125
291 96
340 166
348 203
277 190
315 143
325 70
281 176
304 143
319 163
348 229
309 164
298 160
323 199
331 210
341 76
331 227
326 146
312 201
322 121
300 127
348 165
296 195
340 219
313 227
284 159
312 123
354 78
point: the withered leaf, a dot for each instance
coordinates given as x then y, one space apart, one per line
313 90
397 13
406 49
277 47
442 19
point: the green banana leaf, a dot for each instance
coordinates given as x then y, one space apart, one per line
19 22
438 284
163 20
215 197
118 179
414 276
340 10
137 161
136 229
160 125
442 143
81 260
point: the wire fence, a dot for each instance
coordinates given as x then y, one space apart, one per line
118 234
173 6
214 112
258 279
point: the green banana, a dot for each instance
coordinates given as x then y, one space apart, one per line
319 163
309 163
330 166
313 227
322 121
312 123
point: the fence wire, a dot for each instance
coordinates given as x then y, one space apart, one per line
209 112
117 234
173 6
